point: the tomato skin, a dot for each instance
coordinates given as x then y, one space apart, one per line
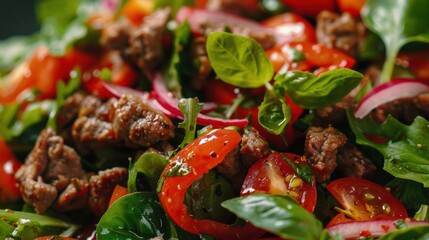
339 218
9 191
292 25
136 10
274 175
351 6
197 158
310 8
366 200
43 71
121 74
417 62
316 55
118 192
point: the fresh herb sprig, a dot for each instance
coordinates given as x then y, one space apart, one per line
242 62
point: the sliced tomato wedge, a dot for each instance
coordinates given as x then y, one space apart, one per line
275 175
188 165
118 192
315 56
9 191
291 25
351 6
365 200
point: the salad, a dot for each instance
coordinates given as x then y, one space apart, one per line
217 119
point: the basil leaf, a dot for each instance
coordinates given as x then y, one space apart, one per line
274 113
138 216
239 61
411 193
190 109
278 214
409 233
406 153
311 91
151 166
27 225
397 22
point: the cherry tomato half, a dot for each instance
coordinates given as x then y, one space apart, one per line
365 200
351 6
292 26
274 175
9 191
315 55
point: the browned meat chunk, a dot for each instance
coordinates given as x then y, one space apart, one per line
199 53
92 132
146 49
74 197
233 6
231 165
37 193
333 115
339 31
116 35
134 123
352 163
70 110
253 147
321 147
53 164
102 186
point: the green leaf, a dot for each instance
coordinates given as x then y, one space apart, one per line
397 22
151 166
138 216
30 225
190 109
239 61
423 213
311 91
408 233
274 113
15 49
278 214
411 193
406 153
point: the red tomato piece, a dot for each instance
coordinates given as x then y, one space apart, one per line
417 62
118 192
339 218
9 191
188 165
316 55
365 200
310 8
274 175
292 26
351 6
122 74
43 71
136 10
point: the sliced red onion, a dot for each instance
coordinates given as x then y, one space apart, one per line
168 102
390 91
110 5
376 228
200 17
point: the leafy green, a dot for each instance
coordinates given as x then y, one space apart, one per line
406 153
30 225
408 233
151 166
278 214
274 113
204 197
15 49
311 91
239 61
63 23
190 109
423 213
397 22
179 62
411 193
138 216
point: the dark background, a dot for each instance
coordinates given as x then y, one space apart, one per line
17 17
